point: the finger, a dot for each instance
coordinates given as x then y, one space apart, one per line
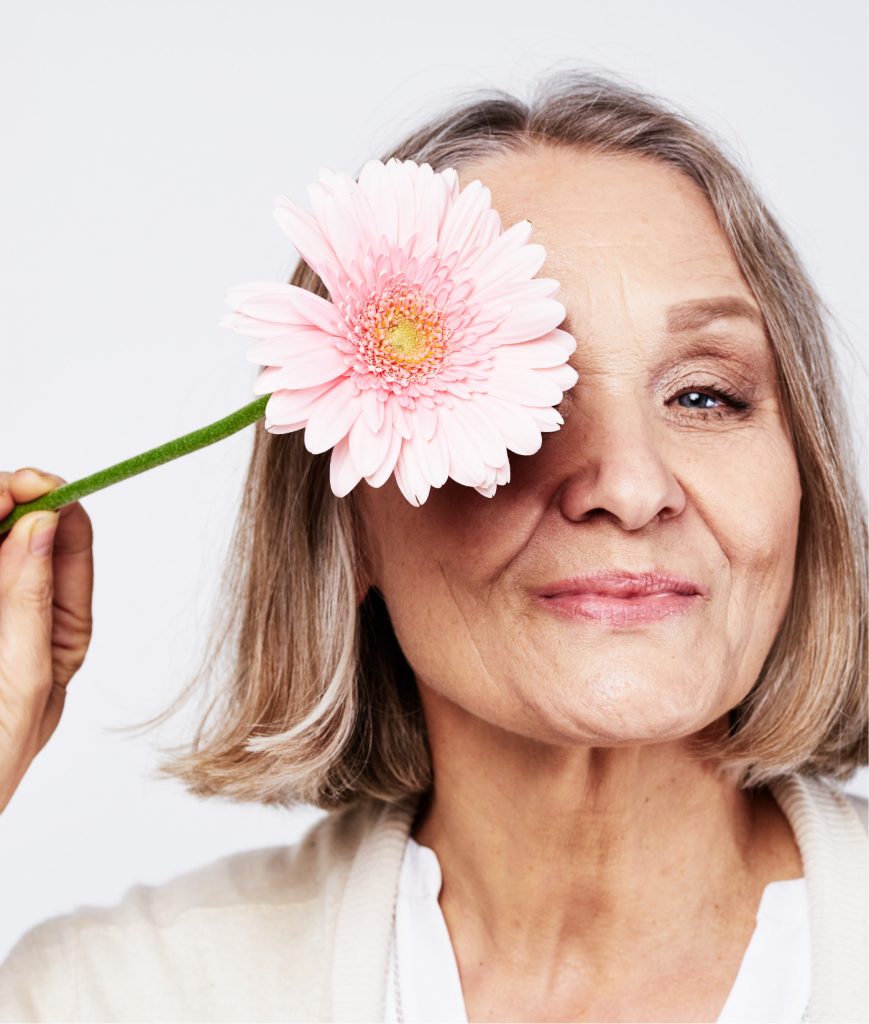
7 502
29 483
74 571
26 593
23 485
73 568
73 546
75 533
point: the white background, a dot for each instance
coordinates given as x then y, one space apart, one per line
142 146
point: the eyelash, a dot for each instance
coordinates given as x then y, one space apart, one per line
736 403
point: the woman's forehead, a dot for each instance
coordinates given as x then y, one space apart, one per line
622 193
624 235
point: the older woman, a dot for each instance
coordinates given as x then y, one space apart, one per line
582 741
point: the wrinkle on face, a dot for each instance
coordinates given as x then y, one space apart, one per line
631 479
487 675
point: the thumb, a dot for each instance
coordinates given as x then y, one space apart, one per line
26 593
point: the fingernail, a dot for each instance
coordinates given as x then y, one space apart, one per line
42 533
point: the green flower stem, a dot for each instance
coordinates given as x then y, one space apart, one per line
68 493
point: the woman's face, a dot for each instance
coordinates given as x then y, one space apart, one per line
638 478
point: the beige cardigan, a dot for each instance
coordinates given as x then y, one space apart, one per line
301 932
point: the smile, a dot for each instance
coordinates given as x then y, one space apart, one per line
621 611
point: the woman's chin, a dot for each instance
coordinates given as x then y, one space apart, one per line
620 712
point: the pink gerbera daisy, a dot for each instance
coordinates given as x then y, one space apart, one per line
439 349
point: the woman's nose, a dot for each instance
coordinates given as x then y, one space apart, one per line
616 463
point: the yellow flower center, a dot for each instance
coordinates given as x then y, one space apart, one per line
401 335
405 339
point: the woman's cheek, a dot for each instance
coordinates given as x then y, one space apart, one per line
755 521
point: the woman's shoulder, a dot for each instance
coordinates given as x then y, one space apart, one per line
861 806
274 875
837 802
822 803
830 825
201 931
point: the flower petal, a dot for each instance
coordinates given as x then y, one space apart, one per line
563 376
252 327
498 291
269 380
432 198
372 408
383 471
296 341
480 431
389 189
283 303
563 338
282 428
312 366
288 406
462 222
433 456
425 421
369 447
376 185
345 218
512 267
343 473
525 387
519 429
314 309
438 451
402 173
547 418
400 419
332 416
306 235
527 321
499 477
466 463
410 477
539 353
499 258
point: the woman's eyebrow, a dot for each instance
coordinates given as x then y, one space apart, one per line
754 359
685 317
753 354
696 313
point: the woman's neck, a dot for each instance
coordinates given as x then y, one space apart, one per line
555 856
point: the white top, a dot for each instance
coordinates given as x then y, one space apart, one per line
771 987
301 933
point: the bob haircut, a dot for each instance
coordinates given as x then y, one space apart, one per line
318 704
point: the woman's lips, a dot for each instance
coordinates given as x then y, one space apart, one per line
620 611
